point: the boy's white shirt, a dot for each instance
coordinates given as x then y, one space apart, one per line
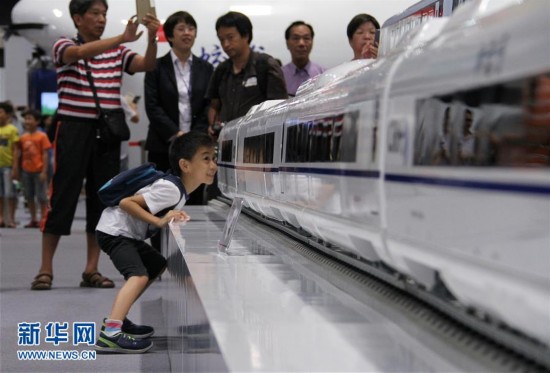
158 196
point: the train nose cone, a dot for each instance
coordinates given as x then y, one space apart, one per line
41 22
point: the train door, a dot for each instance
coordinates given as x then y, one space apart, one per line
360 188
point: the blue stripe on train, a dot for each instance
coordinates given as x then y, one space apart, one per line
436 181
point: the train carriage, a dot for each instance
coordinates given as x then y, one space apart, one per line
433 160
472 206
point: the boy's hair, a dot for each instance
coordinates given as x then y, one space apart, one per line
239 21
173 20
8 108
34 113
358 20
186 146
298 23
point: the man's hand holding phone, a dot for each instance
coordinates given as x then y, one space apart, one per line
147 16
144 8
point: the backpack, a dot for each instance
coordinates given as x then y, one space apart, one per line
128 182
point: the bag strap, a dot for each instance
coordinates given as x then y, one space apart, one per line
262 72
219 73
177 181
183 193
96 99
92 86
79 41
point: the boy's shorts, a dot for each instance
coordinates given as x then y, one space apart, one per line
6 183
33 187
131 257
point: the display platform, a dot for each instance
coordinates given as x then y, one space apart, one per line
261 306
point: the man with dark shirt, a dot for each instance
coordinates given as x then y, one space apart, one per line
245 79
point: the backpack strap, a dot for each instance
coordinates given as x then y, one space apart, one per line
183 193
177 181
219 73
152 231
262 68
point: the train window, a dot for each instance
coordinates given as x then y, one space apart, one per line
325 128
505 125
336 138
227 151
269 147
259 149
297 146
349 137
457 3
291 144
329 139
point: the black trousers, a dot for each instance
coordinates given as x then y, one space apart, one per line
79 156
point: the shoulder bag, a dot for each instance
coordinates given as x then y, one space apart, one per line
112 126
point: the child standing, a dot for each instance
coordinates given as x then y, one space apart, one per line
122 230
9 165
34 163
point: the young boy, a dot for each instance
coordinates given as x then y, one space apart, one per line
9 166
34 162
122 229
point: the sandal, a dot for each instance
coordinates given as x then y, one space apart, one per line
96 280
40 283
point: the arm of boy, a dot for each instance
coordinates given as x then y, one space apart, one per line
16 149
136 206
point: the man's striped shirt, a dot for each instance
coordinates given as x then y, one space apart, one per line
75 95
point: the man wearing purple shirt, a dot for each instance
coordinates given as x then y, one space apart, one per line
299 41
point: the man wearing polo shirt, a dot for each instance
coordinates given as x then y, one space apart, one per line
299 41
79 154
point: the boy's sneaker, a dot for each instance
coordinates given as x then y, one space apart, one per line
122 343
136 331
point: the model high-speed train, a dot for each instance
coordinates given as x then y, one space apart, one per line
434 159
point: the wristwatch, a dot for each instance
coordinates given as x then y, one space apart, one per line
155 40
